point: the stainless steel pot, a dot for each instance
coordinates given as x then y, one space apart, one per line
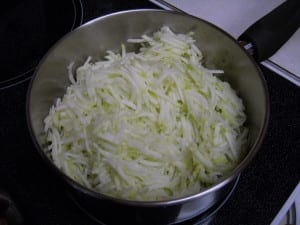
93 39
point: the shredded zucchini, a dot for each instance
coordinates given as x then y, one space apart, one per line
147 126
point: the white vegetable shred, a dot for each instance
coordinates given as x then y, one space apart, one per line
147 126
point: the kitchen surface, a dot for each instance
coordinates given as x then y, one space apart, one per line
37 197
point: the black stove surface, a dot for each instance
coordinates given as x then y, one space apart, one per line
263 187
28 29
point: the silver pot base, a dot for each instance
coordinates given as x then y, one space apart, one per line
203 218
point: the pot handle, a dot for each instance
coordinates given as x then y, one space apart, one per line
269 33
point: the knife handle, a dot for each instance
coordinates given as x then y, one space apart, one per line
269 33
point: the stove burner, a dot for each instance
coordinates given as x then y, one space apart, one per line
28 29
9 214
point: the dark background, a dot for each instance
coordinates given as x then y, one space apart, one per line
263 188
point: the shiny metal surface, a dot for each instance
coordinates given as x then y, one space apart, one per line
93 39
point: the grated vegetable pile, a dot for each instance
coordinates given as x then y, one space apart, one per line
151 125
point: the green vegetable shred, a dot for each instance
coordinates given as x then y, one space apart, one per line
147 126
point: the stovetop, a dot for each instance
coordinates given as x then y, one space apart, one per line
263 187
